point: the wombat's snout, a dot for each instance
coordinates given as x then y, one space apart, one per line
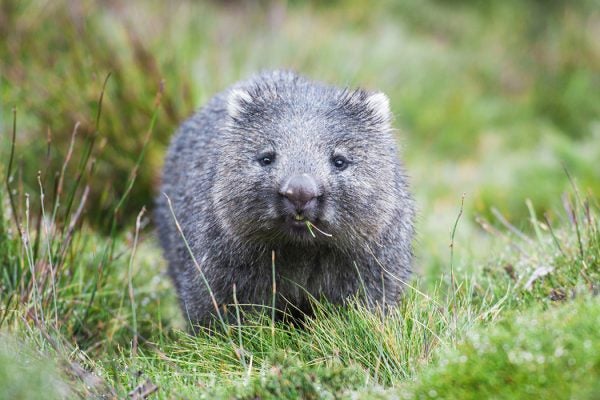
301 193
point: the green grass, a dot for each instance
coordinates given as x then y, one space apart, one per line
552 353
501 108
339 351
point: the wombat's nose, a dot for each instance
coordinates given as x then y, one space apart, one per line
300 190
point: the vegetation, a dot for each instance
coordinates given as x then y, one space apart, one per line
499 101
551 353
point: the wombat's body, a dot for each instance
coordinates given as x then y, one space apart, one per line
260 162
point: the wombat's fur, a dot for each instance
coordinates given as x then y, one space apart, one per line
262 158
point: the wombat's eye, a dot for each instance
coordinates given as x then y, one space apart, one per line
340 162
266 159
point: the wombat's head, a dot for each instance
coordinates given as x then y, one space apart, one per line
303 162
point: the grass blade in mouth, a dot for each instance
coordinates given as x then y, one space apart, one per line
310 225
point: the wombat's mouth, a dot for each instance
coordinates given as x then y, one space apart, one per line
305 229
299 217
298 223
299 220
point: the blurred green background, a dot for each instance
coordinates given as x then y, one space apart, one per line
491 99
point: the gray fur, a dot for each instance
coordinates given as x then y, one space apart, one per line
229 207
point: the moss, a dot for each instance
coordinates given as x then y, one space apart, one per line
24 374
536 354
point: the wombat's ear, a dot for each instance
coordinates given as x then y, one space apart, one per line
237 101
379 104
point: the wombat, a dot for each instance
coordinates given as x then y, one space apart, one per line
282 172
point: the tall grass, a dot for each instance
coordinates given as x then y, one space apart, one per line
340 350
55 269
85 299
62 75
